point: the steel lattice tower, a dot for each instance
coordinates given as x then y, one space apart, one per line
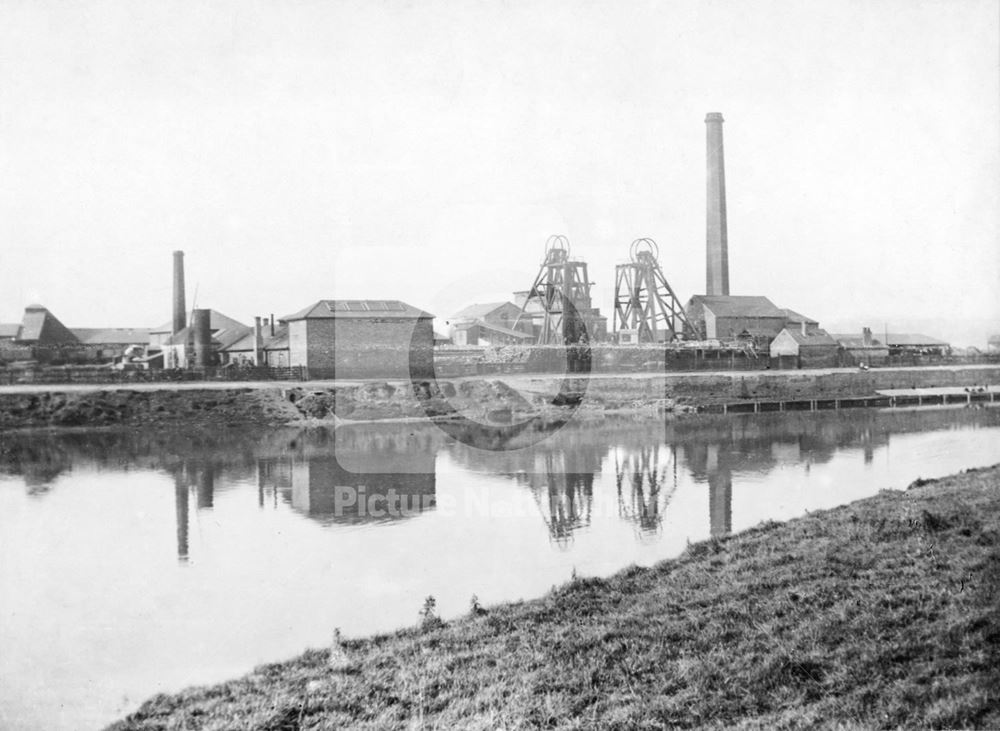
644 300
562 290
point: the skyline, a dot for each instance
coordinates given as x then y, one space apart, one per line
298 152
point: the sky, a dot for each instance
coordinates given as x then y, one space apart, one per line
425 151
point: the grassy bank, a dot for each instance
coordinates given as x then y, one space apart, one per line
882 613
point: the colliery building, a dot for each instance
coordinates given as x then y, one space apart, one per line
361 338
493 323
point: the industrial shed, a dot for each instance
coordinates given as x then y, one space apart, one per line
494 323
802 348
362 339
732 317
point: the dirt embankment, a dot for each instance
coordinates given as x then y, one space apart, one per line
483 399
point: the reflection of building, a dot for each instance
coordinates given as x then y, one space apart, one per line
322 489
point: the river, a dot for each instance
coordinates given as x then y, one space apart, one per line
138 562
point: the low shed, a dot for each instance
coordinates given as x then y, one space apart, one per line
812 349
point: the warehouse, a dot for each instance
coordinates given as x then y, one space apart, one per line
361 339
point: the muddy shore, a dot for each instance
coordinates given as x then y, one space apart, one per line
482 399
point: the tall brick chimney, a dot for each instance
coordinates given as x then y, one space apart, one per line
717 269
180 309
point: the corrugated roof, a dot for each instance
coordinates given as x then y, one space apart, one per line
358 309
738 305
9 329
476 312
111 335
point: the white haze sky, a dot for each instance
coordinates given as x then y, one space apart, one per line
424 151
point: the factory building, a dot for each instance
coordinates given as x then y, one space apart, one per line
266 345
361 338
735 317
494 323
190 346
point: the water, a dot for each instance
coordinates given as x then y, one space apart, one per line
141 562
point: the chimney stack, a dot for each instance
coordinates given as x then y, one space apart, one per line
202 324
180 309
717 270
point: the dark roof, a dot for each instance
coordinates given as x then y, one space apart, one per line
814 337
477 312
738 306
358 309
41 326
797 318
9 329
111 335
913 340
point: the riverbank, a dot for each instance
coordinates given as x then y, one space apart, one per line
881 613
482 399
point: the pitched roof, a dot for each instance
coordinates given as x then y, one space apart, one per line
797 318
358 310
222 338
111 335
217 321
814 337
9 329
505 331
278 341
852 340
738 305
913 340
41 326
476 312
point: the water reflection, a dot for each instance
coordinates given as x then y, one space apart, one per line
354 527
374 474
643 486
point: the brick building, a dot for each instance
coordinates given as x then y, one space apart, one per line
362 339
735 317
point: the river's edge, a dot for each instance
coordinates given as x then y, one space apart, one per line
881 613
483 399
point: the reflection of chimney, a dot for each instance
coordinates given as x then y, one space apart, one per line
202 338
717 269
206 488
180 309
181 509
